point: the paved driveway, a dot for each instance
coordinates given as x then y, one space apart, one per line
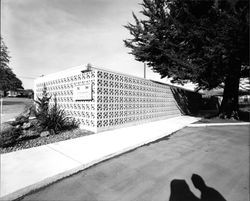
218 155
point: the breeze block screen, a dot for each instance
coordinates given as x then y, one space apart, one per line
102 100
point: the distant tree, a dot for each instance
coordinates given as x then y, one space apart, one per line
205 42
8 79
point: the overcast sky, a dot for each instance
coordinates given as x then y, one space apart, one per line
46 36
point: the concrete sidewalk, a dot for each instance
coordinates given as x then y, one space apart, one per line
26 170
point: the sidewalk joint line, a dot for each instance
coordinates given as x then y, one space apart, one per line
64 154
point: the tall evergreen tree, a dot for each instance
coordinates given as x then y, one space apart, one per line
205 42
8 79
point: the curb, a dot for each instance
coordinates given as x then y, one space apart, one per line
219 124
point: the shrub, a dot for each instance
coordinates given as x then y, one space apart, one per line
35 125
9 135
53 118
32 109
58 121
43 105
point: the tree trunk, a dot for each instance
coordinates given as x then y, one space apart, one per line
230 104
5 93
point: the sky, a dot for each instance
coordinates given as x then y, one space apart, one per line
46 36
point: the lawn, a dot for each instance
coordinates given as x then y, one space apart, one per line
12 107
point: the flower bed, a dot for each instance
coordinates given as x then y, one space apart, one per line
29 143
50 124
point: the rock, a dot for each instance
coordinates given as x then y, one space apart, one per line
21 120
23 117
34 122
44 134
5 127
13 123
29 134
32 118
26 113
52 132
36 125
26 125
17 126
8 135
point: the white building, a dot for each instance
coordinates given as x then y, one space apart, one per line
101 99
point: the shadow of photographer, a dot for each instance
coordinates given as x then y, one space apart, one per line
180 190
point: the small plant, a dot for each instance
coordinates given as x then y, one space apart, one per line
43 104
58 121
9 135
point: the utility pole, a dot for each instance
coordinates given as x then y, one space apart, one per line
1 111
145 66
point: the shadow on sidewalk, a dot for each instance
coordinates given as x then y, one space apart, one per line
180 190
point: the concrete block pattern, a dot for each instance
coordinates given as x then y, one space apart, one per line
117 100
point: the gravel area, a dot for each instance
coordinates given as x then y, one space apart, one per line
25 144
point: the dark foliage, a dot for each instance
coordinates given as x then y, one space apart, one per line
188 102
58 121
43 106
205 42
8 79
9 135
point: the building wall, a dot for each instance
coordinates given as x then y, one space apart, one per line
118 100
13 93
125 100
61 85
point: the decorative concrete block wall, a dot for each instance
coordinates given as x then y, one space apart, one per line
117 100
62 85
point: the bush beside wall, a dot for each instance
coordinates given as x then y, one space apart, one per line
188 102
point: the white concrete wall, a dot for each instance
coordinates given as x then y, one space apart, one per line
62 84
127 100
118 100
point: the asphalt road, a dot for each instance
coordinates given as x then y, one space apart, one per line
162 170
